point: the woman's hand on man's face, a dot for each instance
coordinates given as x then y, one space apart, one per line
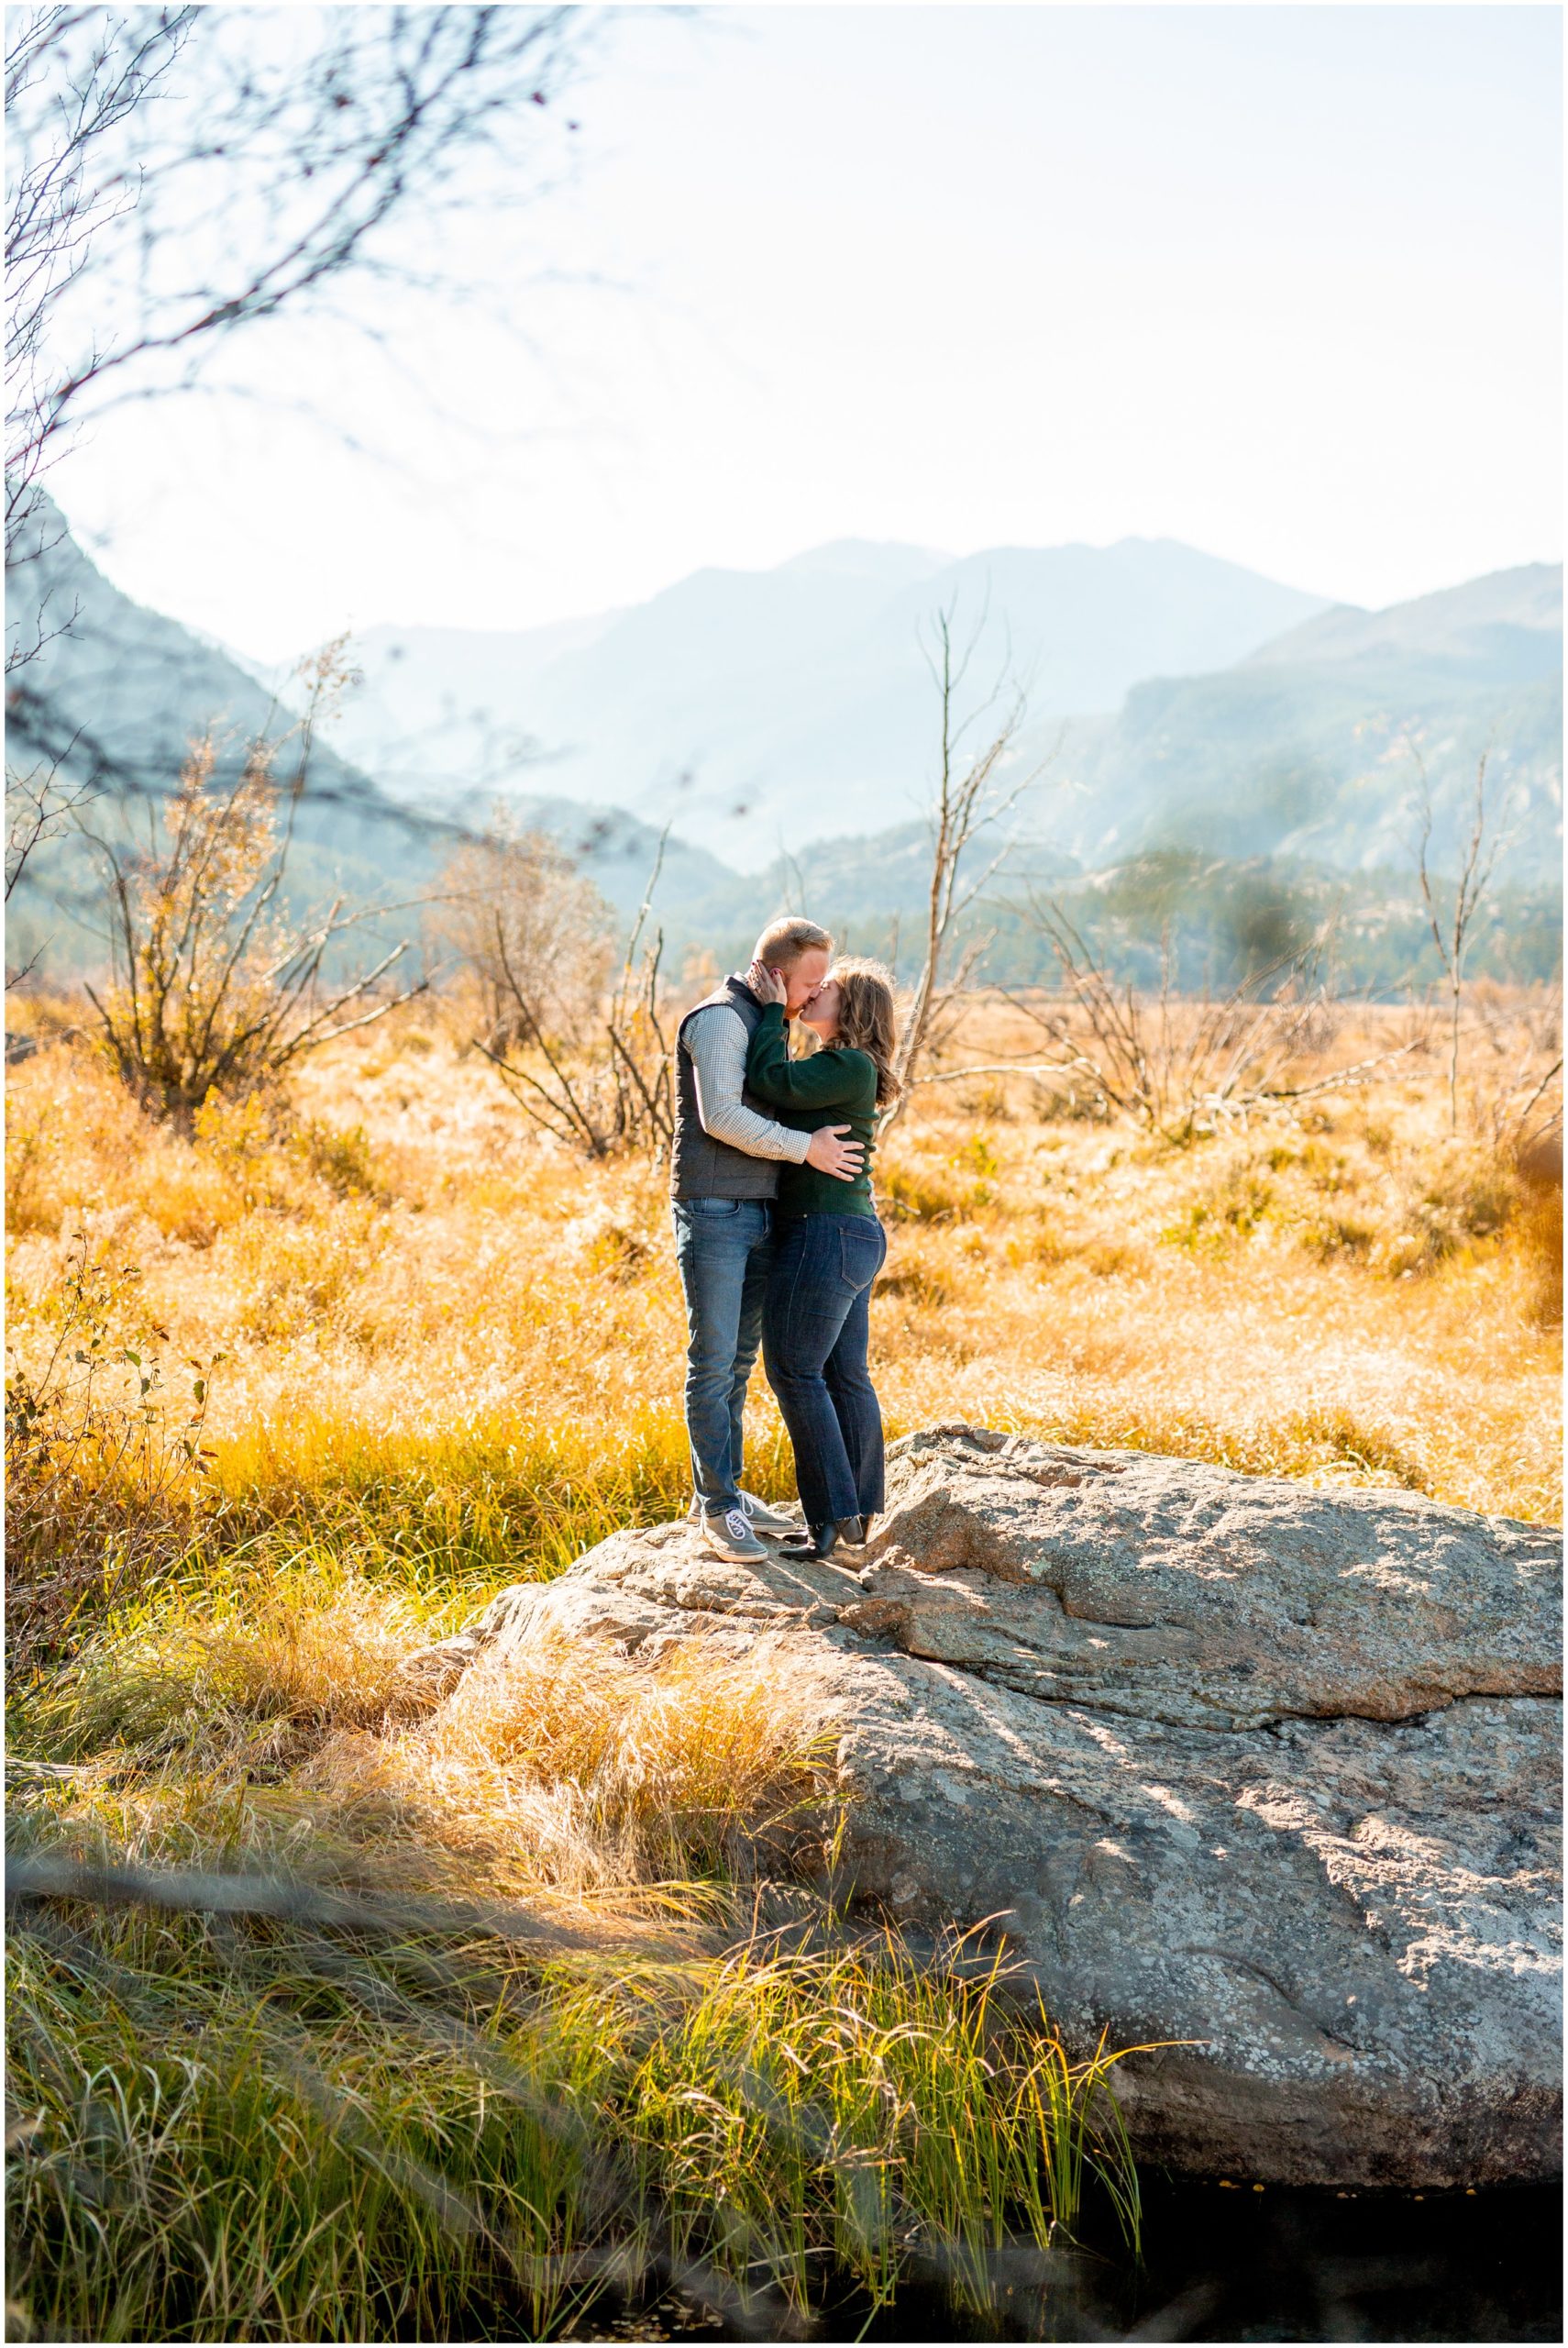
765 984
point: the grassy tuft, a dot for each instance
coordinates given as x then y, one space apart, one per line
222 2133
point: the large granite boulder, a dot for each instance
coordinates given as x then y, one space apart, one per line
1267 1771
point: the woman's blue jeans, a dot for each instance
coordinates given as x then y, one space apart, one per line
815 1324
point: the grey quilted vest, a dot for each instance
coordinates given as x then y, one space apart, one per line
700 1167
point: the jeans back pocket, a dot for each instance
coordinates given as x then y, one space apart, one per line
863 1246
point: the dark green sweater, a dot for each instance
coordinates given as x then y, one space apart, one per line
838 1087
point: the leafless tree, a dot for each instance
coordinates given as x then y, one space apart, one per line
39 805
1181 1066
973 794
182 176
1452 922
62 190
1177 1066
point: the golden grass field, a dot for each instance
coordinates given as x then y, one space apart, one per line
411 1274
441 1354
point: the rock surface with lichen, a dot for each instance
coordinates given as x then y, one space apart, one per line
1265 1774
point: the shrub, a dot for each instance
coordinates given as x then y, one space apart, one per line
340 1157
1468 1193
913 1190
213 989
1330 1235
1332 1430
533 932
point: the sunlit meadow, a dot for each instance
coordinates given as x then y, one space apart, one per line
361 1356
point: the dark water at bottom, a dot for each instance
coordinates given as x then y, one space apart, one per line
1230 2264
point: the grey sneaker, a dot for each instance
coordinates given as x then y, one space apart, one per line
763 1518
730 1536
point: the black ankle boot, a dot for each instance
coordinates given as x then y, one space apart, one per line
846 1530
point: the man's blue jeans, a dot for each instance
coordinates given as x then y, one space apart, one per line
815 1330
725 1250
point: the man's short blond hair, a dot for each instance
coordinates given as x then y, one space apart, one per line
784 941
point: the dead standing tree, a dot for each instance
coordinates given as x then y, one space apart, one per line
1177 1066
1180 1069
971 797
1452 925
38 805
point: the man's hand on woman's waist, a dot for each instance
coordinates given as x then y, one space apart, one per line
830 1156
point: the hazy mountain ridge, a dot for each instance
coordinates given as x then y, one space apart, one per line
1255 801
1175 699
115 696
1494 621
125 692
752 706
1315 744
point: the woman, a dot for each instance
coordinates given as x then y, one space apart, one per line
828 1244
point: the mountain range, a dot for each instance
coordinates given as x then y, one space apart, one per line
1316 744
782 721
1171 698
760 709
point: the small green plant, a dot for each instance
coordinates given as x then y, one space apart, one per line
1233 1209
978 1153
1464 1198
1327 1236
1336 1434
340 1157
914 1281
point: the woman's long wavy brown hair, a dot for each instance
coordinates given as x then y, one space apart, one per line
868 1020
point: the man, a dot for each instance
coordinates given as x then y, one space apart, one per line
724 1176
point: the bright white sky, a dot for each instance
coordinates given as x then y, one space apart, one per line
1280 282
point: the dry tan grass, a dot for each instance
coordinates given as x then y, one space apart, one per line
404 1272
585 1773
259 1723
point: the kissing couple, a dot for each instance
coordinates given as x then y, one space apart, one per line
776 1235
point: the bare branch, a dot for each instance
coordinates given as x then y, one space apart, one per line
969 799
1452 925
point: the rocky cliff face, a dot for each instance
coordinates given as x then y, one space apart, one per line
1266 1774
